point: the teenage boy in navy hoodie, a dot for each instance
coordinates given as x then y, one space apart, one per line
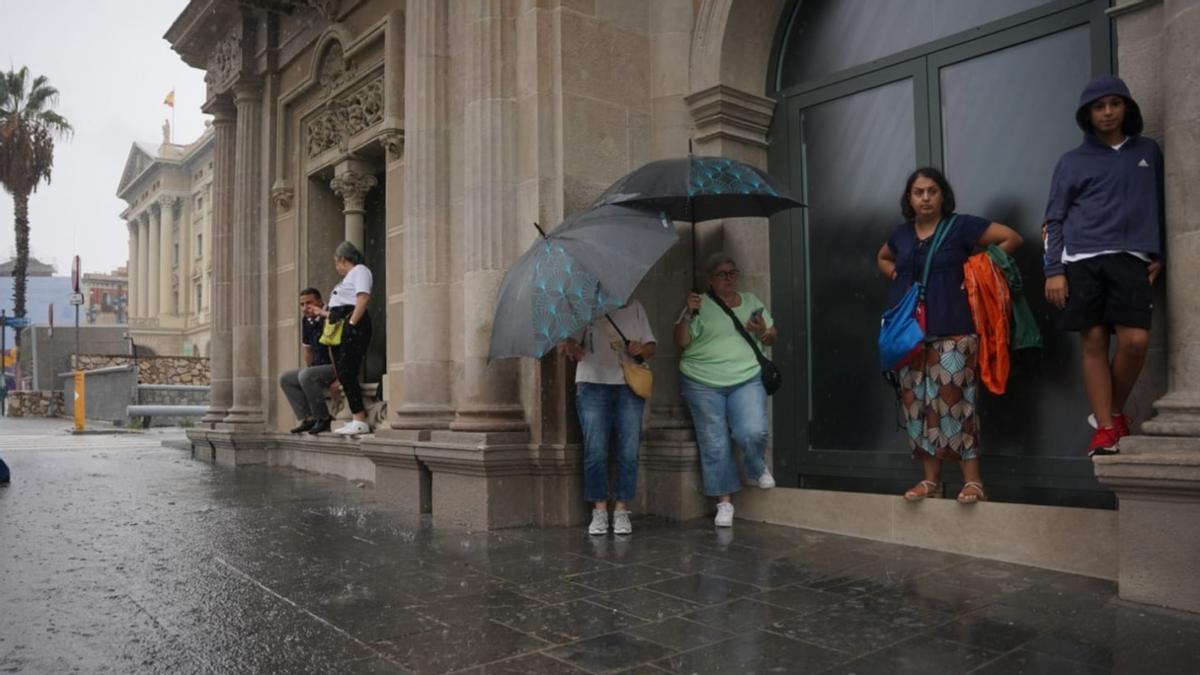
1104 248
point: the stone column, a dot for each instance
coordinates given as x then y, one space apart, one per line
156 262
248 326
490 393
426 400
184 219
167 219
143 264
1157 475
352 180
220 396
131 309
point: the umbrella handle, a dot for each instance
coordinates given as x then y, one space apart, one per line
539 229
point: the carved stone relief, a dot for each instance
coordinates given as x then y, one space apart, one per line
335 71
393 142
282 196
344 117
224 63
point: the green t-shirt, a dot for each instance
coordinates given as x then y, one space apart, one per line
718 355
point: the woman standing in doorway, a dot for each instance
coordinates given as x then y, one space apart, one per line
348 302
722 383
938 387
610 412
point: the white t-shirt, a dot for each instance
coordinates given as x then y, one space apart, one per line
599 363
357 280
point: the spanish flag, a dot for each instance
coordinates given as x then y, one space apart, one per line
170 99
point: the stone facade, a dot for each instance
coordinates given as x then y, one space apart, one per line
439 132
1157 476
35 403
168 189
155 369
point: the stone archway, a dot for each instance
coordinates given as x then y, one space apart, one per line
731 109
732 43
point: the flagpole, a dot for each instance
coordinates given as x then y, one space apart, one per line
172 114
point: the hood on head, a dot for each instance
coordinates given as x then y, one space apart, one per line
1109 85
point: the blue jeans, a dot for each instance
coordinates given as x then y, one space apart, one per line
720 413
604 409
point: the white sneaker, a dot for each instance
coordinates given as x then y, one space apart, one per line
599 522
724 515
621 524
766 481
353 428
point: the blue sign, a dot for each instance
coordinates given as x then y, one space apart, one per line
17 321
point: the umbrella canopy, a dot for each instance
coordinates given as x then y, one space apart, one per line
586 267
696 188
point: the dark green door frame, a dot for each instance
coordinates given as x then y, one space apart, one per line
1036 479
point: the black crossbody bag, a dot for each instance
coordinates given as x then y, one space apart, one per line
772 378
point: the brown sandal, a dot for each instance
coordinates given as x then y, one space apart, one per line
965 497
930 489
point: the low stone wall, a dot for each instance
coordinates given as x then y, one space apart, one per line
35 403
155 369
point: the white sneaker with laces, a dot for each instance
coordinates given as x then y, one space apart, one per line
599 522
766 481
621 524
724 515
353 428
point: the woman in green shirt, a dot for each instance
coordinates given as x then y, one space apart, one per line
722 383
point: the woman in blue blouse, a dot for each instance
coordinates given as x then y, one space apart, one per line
937 389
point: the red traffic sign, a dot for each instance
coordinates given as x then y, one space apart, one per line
75 272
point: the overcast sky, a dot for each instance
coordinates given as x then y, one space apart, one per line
112 68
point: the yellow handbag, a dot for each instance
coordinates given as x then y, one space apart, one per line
637 375
331 333
639 378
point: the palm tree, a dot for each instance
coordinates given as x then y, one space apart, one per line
28 127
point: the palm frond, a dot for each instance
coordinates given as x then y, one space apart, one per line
40 96
55 122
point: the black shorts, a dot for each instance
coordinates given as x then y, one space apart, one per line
1109 289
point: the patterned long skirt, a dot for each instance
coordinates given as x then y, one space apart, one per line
937 398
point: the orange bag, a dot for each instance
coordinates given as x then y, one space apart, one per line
991 308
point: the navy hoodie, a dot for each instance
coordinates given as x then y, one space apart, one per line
1103 199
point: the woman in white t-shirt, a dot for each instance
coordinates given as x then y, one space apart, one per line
608 408
348 302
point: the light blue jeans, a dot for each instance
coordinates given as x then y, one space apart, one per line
721 414
607 411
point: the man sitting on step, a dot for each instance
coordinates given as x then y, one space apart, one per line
305 387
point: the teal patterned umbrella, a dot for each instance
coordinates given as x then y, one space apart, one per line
696 188
584 268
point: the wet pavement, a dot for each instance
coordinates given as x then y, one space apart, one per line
119 555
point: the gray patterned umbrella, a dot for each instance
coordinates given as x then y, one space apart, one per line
586 267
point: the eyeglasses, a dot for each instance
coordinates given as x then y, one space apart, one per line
726 276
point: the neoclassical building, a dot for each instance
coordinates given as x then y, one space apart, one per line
168 189
434 133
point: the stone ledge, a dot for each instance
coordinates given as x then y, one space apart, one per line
1074 540
1157 481
1153 467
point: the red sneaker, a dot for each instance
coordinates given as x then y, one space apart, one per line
1104 442
1119 420
1121 423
